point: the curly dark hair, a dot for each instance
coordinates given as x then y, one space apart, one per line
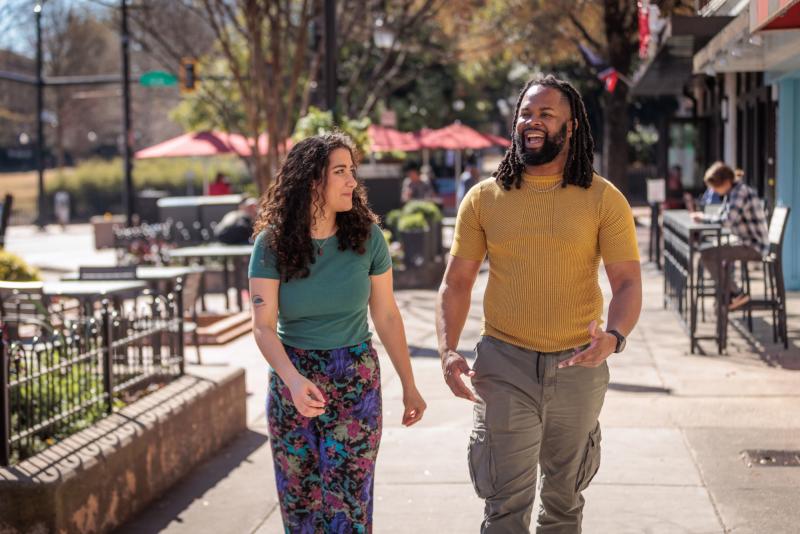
286 208
578 169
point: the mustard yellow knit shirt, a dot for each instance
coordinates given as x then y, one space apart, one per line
544 246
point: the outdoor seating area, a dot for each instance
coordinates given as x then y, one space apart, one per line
688 290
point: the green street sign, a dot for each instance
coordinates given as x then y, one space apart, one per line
158 78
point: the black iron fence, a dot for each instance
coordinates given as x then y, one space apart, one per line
61 380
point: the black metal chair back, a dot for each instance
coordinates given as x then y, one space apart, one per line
24 303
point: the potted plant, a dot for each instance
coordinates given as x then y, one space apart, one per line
433 216
414 235
392 219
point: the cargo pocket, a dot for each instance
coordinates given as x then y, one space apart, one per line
481 463
591 460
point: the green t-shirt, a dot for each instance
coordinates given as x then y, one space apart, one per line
328 309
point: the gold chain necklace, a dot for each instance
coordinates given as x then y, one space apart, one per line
546 189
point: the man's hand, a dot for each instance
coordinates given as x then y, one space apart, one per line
454 365
601 347
698 216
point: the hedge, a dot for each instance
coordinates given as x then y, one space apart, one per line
95 186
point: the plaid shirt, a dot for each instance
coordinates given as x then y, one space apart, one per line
743 213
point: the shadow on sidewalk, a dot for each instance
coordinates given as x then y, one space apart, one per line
635 388
168 508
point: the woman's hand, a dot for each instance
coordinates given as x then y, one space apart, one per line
307 397
414 406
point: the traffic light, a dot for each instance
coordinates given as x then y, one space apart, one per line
188 75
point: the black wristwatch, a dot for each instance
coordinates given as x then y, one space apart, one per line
620 340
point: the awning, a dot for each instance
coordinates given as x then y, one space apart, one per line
735 49
671 66
774 15
731 50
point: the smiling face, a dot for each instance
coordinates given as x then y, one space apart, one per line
544 127
340 181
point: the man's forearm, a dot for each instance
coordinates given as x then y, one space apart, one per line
452 307
624 308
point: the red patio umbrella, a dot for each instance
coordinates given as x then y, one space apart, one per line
498 140
384 139
197 144
458 136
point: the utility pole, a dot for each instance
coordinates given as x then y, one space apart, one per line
41 220
127 192
330 59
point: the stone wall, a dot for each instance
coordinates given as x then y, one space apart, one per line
97 479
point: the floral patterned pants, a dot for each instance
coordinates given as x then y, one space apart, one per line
324 466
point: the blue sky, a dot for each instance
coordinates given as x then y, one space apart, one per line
17 32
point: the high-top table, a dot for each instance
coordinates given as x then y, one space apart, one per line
232 257
682 240
153 275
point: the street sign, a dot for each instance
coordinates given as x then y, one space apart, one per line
157 78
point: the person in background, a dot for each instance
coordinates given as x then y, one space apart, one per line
675 194
743 213
468 178
710 197
236 227
414 186
220 185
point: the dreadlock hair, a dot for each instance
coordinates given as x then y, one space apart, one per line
578 169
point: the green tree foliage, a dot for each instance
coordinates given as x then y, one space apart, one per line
318 122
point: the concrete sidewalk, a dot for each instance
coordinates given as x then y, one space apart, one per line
673 426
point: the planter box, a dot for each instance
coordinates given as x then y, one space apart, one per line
427 276
416 248
104 230
100 477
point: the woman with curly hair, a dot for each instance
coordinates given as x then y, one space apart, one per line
319 263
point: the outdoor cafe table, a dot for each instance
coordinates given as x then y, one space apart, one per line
89 291
682 240
231 256
153 275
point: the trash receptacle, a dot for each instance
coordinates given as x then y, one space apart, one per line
147 204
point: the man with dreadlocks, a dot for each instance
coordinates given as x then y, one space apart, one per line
540 375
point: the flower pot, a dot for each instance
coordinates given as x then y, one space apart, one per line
416 247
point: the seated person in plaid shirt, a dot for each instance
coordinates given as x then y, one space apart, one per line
743 214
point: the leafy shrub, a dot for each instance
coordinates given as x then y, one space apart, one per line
95 186
392 219
428 209
413 222
14 269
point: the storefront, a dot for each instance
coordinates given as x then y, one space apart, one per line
758 56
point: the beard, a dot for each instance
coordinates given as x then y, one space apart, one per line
552 147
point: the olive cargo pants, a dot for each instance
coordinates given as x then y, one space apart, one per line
530 412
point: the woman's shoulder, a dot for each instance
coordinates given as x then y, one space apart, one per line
375 234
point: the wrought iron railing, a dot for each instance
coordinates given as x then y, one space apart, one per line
61 380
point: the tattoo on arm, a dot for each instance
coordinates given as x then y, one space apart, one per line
258 300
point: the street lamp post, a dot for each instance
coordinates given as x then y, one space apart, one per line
127 192
330 58
41 220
